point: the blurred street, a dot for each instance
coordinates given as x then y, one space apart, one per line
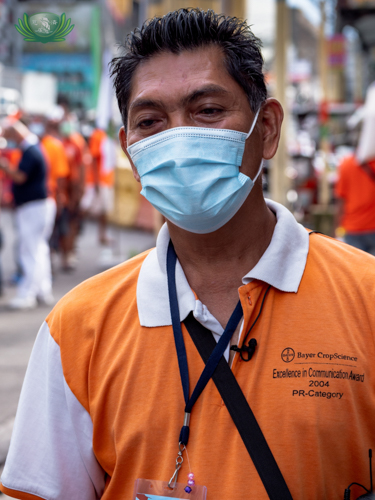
19 328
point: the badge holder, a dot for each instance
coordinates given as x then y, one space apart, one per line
148 489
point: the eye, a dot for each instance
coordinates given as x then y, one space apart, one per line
210 111
146 123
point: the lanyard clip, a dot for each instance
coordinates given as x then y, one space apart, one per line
184 434
179 460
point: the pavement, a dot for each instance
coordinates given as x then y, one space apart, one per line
18 329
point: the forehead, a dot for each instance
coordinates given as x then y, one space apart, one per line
171 75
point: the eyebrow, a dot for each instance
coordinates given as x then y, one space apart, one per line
145 103
204 91
194 96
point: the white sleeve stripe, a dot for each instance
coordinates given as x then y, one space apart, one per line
23 491
50 453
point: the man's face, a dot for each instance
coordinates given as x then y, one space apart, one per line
191 89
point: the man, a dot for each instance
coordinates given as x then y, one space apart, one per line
35 214
193 100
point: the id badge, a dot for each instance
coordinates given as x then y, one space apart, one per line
148 489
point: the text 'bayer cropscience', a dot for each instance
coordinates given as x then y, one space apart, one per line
323 355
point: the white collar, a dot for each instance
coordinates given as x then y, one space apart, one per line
282 266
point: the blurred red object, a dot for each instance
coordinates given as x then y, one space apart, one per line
14 157
323 113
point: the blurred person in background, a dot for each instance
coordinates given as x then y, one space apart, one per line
98 198
58 174
75 151
355 187
355 193
1 233
13 155
35 214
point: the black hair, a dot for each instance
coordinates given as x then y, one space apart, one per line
189 29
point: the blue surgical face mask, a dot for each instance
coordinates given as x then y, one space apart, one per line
191 175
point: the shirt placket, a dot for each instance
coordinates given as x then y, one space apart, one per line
251 296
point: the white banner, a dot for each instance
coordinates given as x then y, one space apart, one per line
39 92
366 145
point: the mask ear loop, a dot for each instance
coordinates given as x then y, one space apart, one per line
253 125
259 171
248 135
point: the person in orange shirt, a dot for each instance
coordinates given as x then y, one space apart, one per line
115 380
2 177
98 197
13 155
58 166
75 151
355 193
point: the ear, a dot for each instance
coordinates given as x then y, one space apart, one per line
272 118
123 143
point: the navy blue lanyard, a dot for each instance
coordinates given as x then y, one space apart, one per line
180 345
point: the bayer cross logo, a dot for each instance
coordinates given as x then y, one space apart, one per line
287 355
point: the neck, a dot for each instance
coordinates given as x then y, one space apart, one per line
229 253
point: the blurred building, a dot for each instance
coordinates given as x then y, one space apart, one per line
359 15
228 7
6 32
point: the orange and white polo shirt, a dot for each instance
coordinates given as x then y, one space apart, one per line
102 401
